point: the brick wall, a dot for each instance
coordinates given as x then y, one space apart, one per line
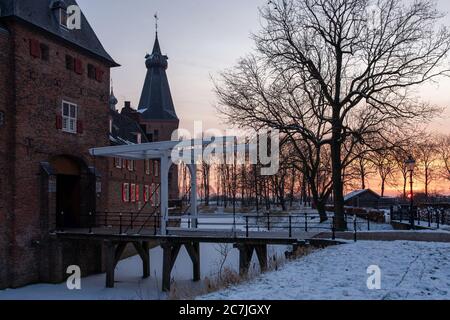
40 88
6 136
117 177
165 130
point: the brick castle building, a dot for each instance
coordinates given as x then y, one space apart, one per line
55 104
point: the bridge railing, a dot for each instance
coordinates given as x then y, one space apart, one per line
121 222
289 224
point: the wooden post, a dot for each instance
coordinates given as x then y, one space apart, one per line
245 257
164 193
143 251
261 252
170 253
110 263
193 200
193 250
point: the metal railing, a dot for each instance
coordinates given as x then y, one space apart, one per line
117 222
433 216
278 224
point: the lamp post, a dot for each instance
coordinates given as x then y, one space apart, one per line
410 164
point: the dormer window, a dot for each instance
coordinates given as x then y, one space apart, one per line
59 7
63 17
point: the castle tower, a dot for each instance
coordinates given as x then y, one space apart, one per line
156 107
157 111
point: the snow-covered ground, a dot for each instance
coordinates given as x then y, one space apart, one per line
409 270
129 283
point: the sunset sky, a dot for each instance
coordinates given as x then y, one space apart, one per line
201 38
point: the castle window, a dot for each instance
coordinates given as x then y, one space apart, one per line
130 165
156 168
147 166
146 193
63 17
118 163
155 196
126 192
2 119
70 63
45 52
133 193
156 135
69 117
91 71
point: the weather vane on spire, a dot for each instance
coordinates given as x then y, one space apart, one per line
156 22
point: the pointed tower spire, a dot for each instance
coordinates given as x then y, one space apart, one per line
156 47
156 99
112 98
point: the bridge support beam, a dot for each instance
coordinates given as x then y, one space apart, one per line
113 252
193 250
144 252
246 254
194 200
170 254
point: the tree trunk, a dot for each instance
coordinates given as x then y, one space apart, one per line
320 204
338 189
363 176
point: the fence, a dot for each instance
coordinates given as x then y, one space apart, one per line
428 215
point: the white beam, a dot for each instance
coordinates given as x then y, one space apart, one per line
164 196
194 200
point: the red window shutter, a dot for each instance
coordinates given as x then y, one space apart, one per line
99 74
35 48
78 66
80 127
59 122
137 192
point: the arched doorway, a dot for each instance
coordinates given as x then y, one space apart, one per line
71 191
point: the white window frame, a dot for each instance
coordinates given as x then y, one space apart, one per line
156 168
130 165
118 163
133 193
147 193
147 165
63 12
126 192
69 120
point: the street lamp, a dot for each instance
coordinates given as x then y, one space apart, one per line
410 165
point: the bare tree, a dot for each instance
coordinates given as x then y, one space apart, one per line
427 157
362 56
444 155
385 164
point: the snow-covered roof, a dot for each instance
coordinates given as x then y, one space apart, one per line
357 193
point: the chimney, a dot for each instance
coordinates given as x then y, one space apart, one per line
130 112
